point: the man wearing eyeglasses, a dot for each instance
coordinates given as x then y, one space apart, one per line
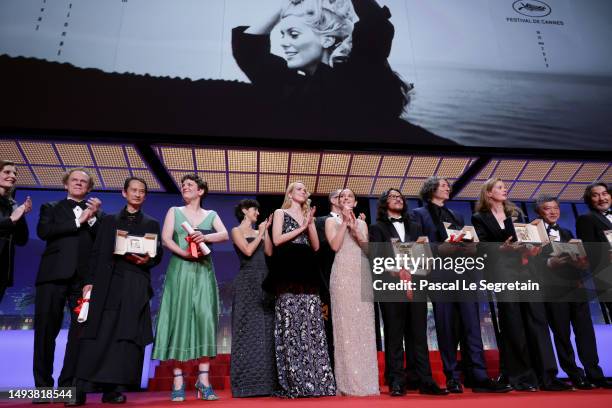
404 321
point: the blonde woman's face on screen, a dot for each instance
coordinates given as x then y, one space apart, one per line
302 47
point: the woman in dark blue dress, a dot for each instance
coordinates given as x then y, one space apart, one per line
253 367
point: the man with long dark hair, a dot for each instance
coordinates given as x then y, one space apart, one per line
404 322
448 314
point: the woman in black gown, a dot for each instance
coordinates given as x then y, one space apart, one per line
253 369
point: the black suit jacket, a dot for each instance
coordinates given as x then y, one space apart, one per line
500 266
384 230
430 228
11 234
560 283
590 228
57 227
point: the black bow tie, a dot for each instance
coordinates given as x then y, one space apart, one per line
73 204
607 212
553 227
400 219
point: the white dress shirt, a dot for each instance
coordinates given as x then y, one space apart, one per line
553 234
78 211
401 230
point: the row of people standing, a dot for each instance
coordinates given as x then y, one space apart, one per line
279 342
69 232
527 358
106 352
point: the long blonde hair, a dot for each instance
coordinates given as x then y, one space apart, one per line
484 203
287 200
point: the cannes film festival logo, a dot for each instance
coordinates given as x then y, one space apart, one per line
532 8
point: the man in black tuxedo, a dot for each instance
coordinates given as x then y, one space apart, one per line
562 314
326 257
461 312
590 228
393 222
69 227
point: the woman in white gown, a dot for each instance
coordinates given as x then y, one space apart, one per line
356 365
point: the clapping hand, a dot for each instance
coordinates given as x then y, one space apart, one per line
93 205
262 227
310 217
346 215
269 221
23 209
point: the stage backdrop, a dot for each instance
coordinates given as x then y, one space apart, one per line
496 73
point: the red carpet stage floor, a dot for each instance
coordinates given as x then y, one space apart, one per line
567 399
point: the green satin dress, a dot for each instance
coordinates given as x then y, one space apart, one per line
189 312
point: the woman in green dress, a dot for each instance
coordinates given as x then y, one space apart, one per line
188 315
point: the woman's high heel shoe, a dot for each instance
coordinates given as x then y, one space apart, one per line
203 392
178 395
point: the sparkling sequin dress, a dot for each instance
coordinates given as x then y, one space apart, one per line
302 359
355 357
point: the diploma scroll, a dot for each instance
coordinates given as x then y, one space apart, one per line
189 229
84 307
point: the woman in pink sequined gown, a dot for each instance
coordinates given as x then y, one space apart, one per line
356 365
